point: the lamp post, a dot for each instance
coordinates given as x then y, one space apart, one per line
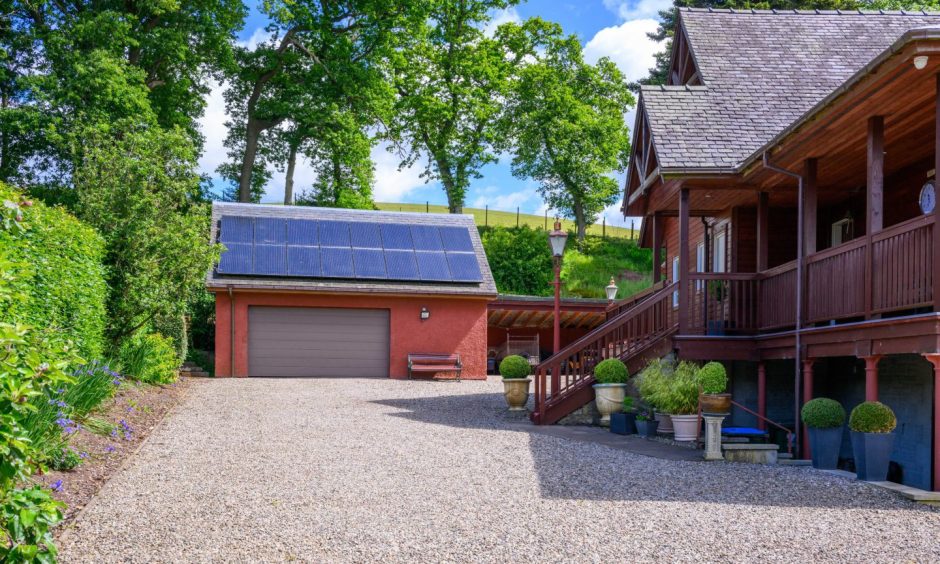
611 290
557 239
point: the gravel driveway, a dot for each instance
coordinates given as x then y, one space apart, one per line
368 470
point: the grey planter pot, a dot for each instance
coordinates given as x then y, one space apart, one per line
623 423
872 455
647 428
824 447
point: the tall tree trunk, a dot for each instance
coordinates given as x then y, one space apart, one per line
289 178
580 221
253 131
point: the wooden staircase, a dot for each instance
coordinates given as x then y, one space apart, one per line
635 334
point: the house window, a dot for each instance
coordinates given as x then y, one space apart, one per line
721 252
675 278
699 264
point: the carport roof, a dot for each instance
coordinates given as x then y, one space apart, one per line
216 281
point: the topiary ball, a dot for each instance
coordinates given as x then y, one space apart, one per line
823 413
514 367
872 417
713 378
611 371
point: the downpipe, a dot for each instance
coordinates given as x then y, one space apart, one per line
797 361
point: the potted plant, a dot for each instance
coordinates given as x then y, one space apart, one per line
680 400
824 418
713 379
872 424
515 372
611 387
624 423
645 424
652 384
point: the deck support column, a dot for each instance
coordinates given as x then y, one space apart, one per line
763 230
684 261
657 248
807 395
936 209
871 377
761 396
934 360
809 206
875 198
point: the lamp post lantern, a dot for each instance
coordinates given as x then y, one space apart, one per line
557 238
611 290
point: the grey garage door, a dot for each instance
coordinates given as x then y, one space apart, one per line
303 342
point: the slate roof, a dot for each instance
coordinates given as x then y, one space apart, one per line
214 280
762 70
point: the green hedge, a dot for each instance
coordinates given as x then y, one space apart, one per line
58 275
520 258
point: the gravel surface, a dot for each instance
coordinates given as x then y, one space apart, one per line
368 470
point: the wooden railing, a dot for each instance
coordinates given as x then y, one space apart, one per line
629 333
890 271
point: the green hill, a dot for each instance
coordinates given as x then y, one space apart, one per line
509 219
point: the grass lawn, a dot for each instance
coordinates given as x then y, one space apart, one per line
508 219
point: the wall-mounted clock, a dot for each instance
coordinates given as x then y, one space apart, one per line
928 197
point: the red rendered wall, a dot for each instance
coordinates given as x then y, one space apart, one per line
456 326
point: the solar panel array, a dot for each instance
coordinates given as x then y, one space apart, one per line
316 248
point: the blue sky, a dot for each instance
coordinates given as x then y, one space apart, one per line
612 28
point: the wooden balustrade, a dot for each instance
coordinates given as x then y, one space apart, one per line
627 334
777 304
723 303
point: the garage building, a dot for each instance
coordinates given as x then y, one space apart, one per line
322 292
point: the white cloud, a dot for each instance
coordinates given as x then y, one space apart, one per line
637 9
627 45
499 18
259 36
212 125
391 184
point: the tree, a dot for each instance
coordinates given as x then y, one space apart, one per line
342 160
138 186
66 65
566 122
319 54
450 80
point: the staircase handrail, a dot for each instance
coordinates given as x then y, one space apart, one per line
790 434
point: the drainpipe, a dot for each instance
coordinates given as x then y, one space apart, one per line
231 330
799 292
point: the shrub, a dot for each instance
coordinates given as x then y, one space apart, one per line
713 378
628 403
611 371
520 258
26 517
823 413
65 458
680 393
514 367
586 270
872 417
56 271
653 380
149 358
174 328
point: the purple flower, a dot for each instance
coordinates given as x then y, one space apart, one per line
126 429
56 486
109 449
83 455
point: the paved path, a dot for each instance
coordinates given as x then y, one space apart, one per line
378 470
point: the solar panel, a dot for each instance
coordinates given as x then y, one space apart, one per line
236 259
456 239
270 230
464 267
432 265
303 261
397 237
302 232
235 229
426 238
334 234
365 235
369 263
269 259
340 249
336 262
401 265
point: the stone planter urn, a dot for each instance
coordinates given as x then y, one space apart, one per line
685 426
516 392
824 447
609 399
665 423
872 455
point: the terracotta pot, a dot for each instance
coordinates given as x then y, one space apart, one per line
516 392
686 427
665 423
719 404
609 399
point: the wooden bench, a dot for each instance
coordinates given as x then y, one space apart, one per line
430 362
